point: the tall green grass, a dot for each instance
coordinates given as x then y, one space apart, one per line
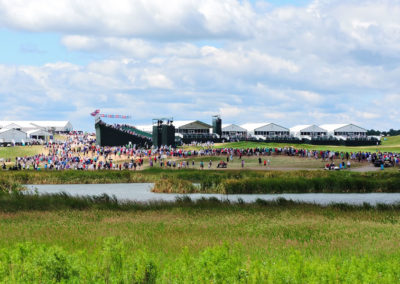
276 182
332 184
115 263
17 200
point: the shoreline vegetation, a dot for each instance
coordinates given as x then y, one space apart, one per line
18 201
224 182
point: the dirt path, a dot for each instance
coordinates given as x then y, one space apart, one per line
368 168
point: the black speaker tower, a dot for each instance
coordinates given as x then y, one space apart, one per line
163 132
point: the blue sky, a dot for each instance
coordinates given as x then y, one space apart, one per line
288 62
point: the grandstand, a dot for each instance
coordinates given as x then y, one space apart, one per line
120 135
136 131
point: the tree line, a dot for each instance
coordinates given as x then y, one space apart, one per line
391 132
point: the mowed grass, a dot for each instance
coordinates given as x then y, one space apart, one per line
20 151
391 144
282 237
278 162
391 141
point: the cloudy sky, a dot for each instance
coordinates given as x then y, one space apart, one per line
289 62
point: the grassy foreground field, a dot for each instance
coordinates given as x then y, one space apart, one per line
203 242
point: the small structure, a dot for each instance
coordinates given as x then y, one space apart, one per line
163 132
308 132
272 130
13 136
217 125
39 134
234 131
345 131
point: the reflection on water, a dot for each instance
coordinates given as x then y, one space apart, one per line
141 192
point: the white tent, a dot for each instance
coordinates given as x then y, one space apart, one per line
344 130
39 134
272 130
234 130
12 136
58 126
308 131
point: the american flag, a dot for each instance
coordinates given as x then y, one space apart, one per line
96 112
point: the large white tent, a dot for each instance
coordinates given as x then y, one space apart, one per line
272 130
12 136
234 130
308 131
57 126
345 131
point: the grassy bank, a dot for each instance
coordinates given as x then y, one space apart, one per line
214 181
15 201
196 242
335 183
250 182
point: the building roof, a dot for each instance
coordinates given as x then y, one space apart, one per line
338 127
30 124
193 125
271 127
307 128
3 130
251 126
233 128
40 132
179 123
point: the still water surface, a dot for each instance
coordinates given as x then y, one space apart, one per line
141 192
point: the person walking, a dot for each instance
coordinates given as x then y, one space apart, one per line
242 164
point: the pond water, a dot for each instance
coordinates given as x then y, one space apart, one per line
141 192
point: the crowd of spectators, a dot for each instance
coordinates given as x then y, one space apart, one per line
79 152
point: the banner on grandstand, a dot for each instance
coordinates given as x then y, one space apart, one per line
115 116
97 113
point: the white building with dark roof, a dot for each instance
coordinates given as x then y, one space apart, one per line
308 131
344 131
234 131
192 127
